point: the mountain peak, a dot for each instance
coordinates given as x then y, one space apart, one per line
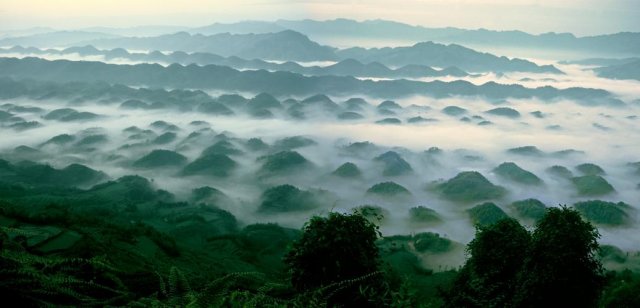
292 34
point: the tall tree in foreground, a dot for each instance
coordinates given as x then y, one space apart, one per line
562 268
335 250
488 278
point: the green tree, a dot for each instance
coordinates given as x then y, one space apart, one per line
334 250
561 268
623 290
488 278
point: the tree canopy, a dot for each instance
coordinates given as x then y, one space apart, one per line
561 268
488 278
555 266
334 249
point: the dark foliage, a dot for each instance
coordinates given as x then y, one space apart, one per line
339 247
488 278
561 268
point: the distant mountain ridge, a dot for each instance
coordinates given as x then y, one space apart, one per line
138 31
284 45
601 61
625 68
620 71
278 83
55 39
289 45
439 55
623 43
348 67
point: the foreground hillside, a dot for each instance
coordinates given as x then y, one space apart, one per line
124 242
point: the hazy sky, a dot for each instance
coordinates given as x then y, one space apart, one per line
582 17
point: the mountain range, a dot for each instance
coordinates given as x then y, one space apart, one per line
54 39
278 83
439 55
293 46
620 71
348 67
623 43
615 44
284 45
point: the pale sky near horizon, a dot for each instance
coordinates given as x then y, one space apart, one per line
581 17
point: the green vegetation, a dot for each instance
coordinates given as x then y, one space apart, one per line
561 266
256 144
222 147
350 115
217 165
360 148
164 126
567 153
388 189
592 185
31 280
260 81
622 290
604 213
92 140
555 266
286 198
124 242
513 172
32 173
98 247
338 248
419 119
261 113
389 105
486 214
590 169
504 112
69 115
373 213
528 150
282 163
355 104
134 104
560 171
61 139
530 209
165 138
160 158
213 107
469 186
421 214
320 101
390 121
431 242
394 164
386 112
71 236
208 195
347 170
263 101
290 143
454 111
489 276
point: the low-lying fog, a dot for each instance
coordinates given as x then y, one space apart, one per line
471 135
575 75
470 139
